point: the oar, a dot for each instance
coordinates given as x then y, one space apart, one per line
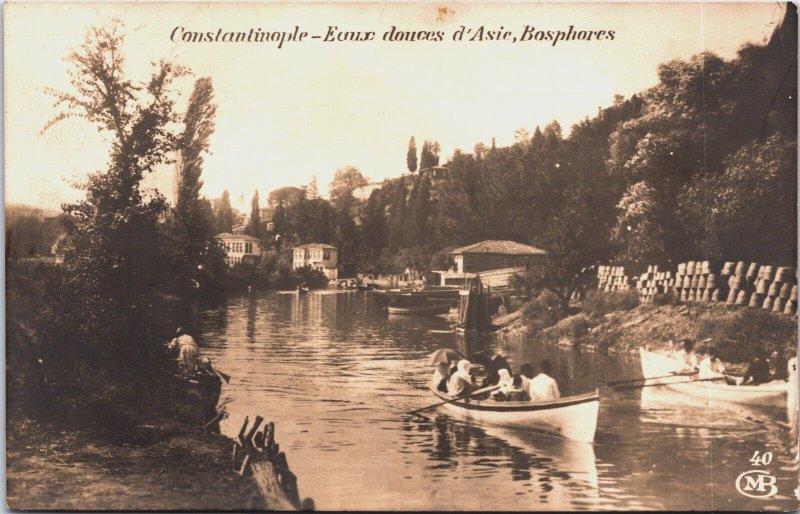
476 393
676 374
639 386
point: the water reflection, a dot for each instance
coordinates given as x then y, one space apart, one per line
339 377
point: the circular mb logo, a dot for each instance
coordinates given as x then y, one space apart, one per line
757 483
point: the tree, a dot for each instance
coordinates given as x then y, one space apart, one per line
225 218
253 227
747 212
522 136
430 155
411 156
114 257
574 242
638 230
287 196
312 193
345 180
191 229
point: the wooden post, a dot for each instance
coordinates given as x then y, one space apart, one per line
270 469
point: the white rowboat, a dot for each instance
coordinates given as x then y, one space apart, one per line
571 417
657 365
431 309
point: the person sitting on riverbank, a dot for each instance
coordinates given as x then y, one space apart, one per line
188 351
440 377
711 366
543 387
460 384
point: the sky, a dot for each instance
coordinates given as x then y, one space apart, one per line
286 115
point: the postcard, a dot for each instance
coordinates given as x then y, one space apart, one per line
440 256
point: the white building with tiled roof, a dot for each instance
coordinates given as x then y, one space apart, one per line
240 248
319 256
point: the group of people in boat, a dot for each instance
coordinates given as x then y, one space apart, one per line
708 366
455 378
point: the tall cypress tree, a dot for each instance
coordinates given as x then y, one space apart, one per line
253 227
225 214
411 157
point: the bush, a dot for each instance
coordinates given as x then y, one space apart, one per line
573 328
542 311
290 279
597 303
669 298
738 338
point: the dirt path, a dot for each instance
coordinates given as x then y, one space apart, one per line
73 470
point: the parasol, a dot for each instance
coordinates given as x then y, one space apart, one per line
443 356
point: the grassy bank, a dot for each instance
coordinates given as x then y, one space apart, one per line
151 468
617 323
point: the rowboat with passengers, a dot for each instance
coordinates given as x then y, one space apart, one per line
570 417
658 365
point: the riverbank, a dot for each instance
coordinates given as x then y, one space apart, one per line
155 467
736 332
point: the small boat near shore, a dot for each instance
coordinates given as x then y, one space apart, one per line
390 296
428 309
570 417
657 365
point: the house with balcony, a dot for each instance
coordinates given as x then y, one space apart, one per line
319 256
241 248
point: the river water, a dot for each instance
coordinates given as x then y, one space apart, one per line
338 376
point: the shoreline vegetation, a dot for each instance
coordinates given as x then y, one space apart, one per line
92 401
617 323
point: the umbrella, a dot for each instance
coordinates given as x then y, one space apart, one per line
443 356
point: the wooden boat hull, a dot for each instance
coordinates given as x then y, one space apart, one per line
428 310
657 365
572 417
391 296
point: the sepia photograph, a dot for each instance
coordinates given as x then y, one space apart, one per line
401 256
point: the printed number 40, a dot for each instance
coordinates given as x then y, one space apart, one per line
759 459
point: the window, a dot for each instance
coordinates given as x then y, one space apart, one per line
326 255
248 248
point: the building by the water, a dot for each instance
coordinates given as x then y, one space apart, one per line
318 256
494 261
240 248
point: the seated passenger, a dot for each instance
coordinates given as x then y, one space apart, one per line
505 383
711 366
517 392
460 384
543 387
757 372
778 369
687 356
527 373
440 376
